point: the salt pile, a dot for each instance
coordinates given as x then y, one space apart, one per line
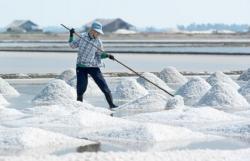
188 117
137 133
223 95
235 129
171 75
65 121
175 102
244 113
152 77
221 77
128 89
245 91
9 114
148 103
56 92
30 140
92 88
7 89
193 90
3 101
67 74
245 76
66 107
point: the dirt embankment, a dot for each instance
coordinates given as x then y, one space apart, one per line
107 74
138 36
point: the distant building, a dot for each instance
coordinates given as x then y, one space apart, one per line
111 25
23 26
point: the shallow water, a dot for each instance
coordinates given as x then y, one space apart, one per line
30 88
35 62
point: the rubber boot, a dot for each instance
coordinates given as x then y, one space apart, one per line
79 98
110 100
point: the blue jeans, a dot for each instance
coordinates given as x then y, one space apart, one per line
96 74
82 79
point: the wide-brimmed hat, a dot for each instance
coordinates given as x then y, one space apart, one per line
97 26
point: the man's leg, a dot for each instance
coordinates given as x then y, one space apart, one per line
82 82
100 81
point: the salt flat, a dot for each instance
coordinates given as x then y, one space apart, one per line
44 122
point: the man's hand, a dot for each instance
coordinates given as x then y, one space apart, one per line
111 57
71 32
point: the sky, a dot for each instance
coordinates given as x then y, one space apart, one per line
141 13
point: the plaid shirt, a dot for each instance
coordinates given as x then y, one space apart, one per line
88 55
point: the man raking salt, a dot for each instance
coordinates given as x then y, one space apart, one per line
89 61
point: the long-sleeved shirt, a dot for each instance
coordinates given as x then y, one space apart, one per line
88 56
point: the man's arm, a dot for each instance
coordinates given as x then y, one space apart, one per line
104 54
73 43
